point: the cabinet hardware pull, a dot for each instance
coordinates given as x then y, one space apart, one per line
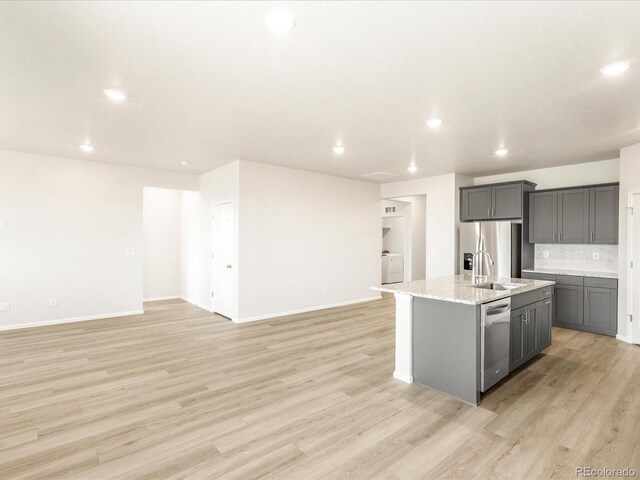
592 236
488 212
547 302
554 238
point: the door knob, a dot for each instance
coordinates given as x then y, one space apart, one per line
228 266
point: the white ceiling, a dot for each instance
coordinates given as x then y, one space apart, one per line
209 83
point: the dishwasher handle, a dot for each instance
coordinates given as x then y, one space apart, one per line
498 309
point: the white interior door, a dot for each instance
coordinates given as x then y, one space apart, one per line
634 250
222 267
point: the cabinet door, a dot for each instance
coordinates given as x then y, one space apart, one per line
516 338
475 203
569 305
531 332
603 215
573 216
544 316
507 201
543 217
600 310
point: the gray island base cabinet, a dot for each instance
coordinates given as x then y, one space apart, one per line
447 340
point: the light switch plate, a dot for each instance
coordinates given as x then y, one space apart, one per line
131 251
545 254
596 255
2 223
53 302
4 307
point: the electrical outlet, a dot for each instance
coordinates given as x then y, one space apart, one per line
4 307
131 252
545 254
53 302
596 256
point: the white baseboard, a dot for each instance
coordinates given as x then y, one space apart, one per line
156 299
305 310
70 320
623 338
193 302
402 377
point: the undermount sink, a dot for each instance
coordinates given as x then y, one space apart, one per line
498 286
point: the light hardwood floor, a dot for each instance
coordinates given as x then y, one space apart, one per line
179 393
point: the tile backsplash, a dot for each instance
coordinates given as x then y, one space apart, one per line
577 257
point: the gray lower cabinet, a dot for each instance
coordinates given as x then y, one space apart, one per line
588 304
600 310
530 330
569 306
544 318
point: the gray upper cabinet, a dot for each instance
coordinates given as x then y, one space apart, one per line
603 215
573 216
543 217
502 201
475 203
506 201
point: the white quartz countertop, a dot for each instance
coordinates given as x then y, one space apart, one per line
577 273
458 289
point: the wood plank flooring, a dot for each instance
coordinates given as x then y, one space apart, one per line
182 394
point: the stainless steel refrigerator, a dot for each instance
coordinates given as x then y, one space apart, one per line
503 240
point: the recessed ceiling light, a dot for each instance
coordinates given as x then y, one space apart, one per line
185 163
615 68
434 122
280 21
115 94
85 147
501 152
412 168
338 149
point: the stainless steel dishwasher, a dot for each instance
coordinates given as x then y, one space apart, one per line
494 343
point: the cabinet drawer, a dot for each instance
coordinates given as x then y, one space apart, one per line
523 299
559 279
600 282
545 293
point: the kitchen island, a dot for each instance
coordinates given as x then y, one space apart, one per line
439 334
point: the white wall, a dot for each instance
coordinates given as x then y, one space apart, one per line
442 217
217 186
605 171
68 226
307 240
629 181
161 235
417 232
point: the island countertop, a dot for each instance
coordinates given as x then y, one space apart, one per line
458 288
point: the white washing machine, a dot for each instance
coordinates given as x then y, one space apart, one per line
392 268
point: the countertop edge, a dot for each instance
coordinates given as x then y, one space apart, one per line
497 296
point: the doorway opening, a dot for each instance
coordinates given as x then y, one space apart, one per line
404 232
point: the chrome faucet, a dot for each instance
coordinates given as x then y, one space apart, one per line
474 271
